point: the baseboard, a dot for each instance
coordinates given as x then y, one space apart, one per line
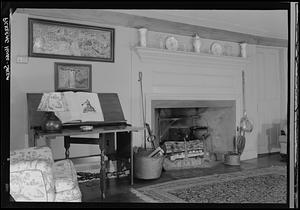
267 150
267 154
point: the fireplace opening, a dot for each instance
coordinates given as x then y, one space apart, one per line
201 129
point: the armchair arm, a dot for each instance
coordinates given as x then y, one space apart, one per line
31 168
28 185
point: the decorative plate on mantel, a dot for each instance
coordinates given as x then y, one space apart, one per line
216 48
171 43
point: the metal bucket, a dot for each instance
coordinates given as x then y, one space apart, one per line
147 167
232 159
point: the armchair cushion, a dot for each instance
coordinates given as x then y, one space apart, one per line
28 185
35 177
66 186
73 195
64 175
31 168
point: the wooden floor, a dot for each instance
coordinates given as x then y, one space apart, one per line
118 189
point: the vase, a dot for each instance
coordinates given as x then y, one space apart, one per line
197 43
243 50
143 36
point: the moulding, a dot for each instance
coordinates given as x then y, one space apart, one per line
186 58
154 24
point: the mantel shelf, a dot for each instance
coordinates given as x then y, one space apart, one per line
183 57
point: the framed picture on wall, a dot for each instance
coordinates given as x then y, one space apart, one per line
53 39
72 77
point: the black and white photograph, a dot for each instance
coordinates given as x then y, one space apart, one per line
184 106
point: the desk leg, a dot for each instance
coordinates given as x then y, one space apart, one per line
131 160
35 136
67 146
102 166
118 161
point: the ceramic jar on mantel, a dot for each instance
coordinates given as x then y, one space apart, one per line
143 36
197 43
243 48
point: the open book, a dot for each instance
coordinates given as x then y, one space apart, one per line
82 107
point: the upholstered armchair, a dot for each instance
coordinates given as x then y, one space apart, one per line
283 142
34 176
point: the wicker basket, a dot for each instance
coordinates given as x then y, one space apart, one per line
147 167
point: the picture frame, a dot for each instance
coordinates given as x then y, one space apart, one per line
72 77
62 40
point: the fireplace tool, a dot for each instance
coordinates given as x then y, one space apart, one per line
143 112
151 138
147 163
245 124
233 158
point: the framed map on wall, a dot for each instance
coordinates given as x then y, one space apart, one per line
53 39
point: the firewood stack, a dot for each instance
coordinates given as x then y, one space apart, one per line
185 154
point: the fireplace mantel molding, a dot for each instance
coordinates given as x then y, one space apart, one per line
147 54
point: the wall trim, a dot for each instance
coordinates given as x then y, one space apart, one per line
186 58
155 24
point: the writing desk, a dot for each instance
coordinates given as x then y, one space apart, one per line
69 137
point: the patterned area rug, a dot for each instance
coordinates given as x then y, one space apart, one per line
264 185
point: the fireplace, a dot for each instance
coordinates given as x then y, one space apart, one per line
212 121
201 90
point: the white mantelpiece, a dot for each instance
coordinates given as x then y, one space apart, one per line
178 75
185 58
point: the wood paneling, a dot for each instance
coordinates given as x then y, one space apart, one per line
153 24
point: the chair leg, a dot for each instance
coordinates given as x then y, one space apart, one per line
118 167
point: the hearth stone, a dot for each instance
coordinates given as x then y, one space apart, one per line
186 163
